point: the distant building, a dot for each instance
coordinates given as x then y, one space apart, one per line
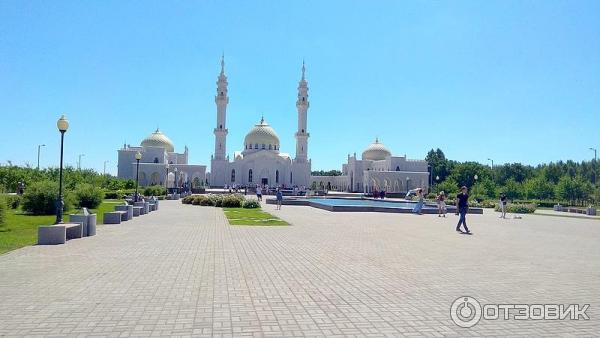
377 170
160 163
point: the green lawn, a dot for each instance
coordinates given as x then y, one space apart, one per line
21 229
241 216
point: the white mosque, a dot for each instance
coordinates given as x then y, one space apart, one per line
377 169
159 163
261 161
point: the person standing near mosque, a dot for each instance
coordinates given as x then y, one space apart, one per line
279 196
462 207
259 192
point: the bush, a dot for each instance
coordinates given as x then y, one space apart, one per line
88 196
251 204
519 208
187 199
3 206
111 195
206 201
40 198
232 201
484 204
154 190
13 201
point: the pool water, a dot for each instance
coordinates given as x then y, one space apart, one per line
364 203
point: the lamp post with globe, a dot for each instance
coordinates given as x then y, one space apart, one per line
138 157
62 124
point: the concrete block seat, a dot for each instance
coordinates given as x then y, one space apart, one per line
137 211
126 208
87 220
144 209
59 233
115 217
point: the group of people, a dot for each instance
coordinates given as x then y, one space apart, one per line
278 195
462 206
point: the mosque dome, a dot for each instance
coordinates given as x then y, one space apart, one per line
376 151
158 139
262 136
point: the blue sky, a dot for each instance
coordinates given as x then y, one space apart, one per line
516 81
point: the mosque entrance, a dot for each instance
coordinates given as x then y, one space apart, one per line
265 181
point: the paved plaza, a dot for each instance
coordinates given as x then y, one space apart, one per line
183 271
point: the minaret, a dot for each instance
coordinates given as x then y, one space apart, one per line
302 106
221 100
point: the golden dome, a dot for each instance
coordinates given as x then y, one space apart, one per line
262 133
376 152
158 139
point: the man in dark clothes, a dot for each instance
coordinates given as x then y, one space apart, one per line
462 206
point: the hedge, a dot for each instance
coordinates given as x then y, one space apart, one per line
519 208
40 198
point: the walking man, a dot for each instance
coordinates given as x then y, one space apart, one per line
279 196
462 206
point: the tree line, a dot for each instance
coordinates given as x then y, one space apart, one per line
563 181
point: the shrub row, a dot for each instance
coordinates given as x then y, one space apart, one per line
225 201
40 198
3 206
516 208
154 190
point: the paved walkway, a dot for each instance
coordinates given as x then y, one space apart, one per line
184 271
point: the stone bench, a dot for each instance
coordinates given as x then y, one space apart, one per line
137 211
115 217
87 220
59 233
126 208
144 206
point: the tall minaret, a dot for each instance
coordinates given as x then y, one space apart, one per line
302 106
221 100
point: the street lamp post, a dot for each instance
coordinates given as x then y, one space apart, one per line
167 179
38 162
62 124
475 177
595 162
79 161
138 157
489 159
176 185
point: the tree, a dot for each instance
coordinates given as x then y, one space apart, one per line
326 173
440 166
464 173
449 186
574 189
512 189
539 188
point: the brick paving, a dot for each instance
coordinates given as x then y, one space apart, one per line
183 271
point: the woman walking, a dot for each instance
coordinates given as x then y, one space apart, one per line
419 206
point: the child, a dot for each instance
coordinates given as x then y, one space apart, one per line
441 197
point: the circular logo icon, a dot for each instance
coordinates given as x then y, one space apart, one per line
465 311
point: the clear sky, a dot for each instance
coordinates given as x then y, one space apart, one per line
515 81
